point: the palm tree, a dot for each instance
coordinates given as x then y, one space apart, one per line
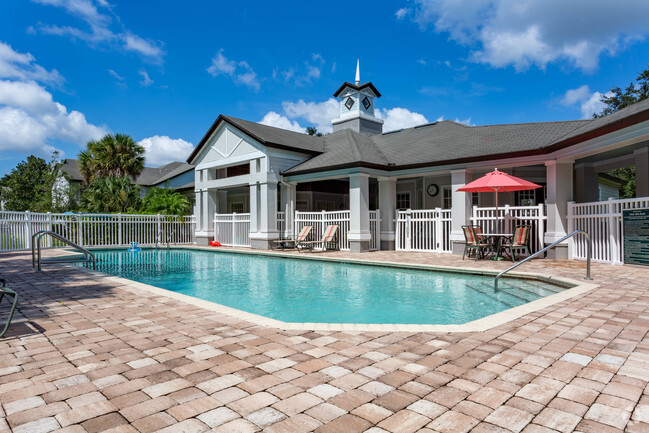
114 155
111 194
165 202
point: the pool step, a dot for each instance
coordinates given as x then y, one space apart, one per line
488 292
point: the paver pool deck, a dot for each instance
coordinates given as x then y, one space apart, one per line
89 353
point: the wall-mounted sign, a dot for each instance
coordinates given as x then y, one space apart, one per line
636 236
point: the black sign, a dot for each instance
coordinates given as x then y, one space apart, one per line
636 236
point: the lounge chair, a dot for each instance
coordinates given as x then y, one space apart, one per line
328 240
520 241
474 241
4 290
282 244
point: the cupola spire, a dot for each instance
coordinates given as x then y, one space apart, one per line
358 72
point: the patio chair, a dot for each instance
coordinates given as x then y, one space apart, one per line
473 241
520 241
4 290
328 240
283 244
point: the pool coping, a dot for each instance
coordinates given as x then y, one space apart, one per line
576 288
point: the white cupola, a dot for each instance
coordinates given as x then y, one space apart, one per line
357 107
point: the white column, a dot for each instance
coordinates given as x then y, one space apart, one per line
359 235
586 184
387 209
254 208
461 205
559 176
288 207
641 172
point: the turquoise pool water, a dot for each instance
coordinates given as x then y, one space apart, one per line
293 290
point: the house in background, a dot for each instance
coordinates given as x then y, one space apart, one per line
175 175
242 166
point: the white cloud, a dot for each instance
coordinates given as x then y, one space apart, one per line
116 75
161 150
526 33
277 120
588 102
399 118
14 65
240 72
319 113
401 13
99 32
30 119
306 74
147 48
146 81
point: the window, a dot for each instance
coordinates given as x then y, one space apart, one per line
237 207
238 170
403 200
325 205
447 197
349 103
475 199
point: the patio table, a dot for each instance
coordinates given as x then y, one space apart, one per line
496 240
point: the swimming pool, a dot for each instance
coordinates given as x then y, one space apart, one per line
293 290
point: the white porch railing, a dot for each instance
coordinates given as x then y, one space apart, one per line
423 230
603 222
281 224
232 229
320 220
511 216
93 230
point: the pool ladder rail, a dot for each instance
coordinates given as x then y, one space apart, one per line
159 241
552 245
88 256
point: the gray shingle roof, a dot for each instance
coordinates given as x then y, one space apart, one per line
149 176
266 135
432 144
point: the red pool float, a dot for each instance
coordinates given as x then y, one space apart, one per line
215 243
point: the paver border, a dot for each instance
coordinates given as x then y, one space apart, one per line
573 288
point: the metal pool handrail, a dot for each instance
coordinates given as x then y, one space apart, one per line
89 257
552 245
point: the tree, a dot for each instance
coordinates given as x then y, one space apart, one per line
618 98
114 155
29 186
165 202
111 194
312 130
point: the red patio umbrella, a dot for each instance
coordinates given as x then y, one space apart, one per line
498 181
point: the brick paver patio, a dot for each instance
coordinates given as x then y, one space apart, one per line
93 354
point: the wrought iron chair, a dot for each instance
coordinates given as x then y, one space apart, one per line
474 241
4 290
519 242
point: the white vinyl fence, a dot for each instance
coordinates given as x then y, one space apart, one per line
603 222
94 230
232 229
320 220
511 216
423 230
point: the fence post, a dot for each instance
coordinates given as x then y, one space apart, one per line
28 230
80 228
438 229
571 228
541 224
119 229
507 219
324 222
234 228
613 237
408 230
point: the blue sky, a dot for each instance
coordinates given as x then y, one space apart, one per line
161 71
